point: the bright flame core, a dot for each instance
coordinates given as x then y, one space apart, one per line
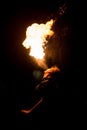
36 38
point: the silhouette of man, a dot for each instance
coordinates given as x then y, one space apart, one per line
47 89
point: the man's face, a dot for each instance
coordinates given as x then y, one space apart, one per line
47 74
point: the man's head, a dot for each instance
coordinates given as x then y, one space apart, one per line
51 71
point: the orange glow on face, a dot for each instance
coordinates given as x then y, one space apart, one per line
36 38
50 71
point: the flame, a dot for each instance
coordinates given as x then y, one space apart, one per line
36 38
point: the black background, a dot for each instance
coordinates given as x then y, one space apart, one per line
16 67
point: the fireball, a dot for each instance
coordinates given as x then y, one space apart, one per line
36 38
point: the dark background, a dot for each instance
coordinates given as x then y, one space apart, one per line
17 78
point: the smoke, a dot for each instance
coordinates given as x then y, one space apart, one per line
42 64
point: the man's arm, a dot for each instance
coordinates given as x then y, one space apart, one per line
31 109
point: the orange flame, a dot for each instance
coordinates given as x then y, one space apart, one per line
36 38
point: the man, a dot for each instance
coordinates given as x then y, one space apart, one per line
47 89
